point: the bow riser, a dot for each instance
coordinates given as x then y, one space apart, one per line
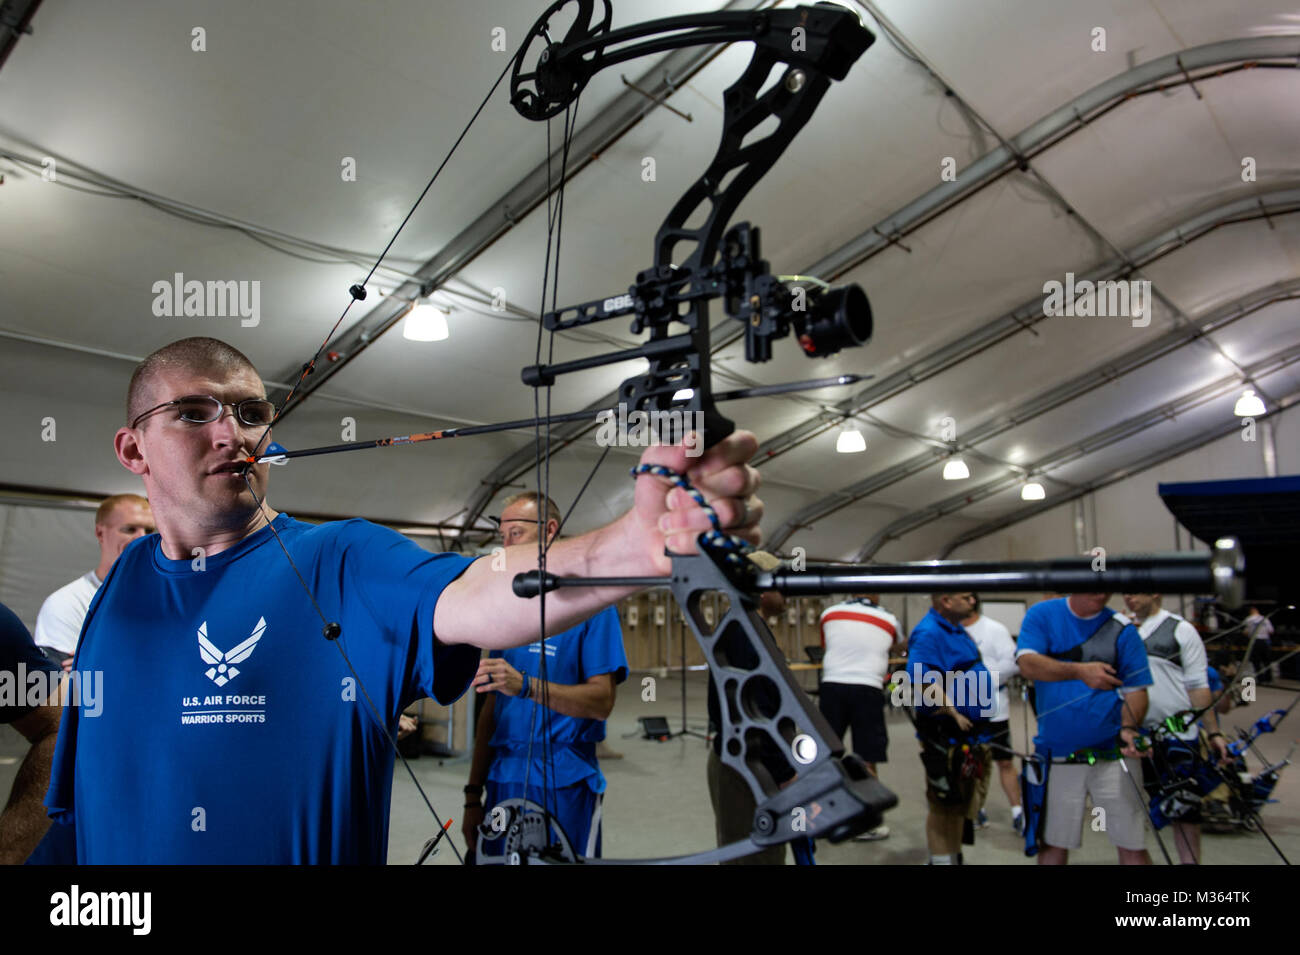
770 728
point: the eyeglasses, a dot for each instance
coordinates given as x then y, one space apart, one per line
204 409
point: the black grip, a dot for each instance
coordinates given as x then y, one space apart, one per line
528 584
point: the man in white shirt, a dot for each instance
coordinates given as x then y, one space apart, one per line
119 520
998 651
858 635
1260 628
1176 655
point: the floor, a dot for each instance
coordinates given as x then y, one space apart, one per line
657 801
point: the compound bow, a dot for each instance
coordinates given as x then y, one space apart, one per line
769 728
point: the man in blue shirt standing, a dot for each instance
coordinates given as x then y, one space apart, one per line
1090 675
537 733
955 695
230 730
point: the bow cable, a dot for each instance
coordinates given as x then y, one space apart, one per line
554 231
358 291
331 629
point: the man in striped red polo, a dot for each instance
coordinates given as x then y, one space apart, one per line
858 635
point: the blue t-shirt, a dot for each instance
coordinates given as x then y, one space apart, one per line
26 674
229 729
943 651
593 647
1071 715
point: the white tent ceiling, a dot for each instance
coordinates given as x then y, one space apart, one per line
256 128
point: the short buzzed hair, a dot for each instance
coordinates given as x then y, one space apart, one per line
200 355
109 504
531 497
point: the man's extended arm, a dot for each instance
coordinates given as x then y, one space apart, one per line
480 608
24 821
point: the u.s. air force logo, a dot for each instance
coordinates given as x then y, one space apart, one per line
223 668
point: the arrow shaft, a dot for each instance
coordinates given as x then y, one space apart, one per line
518 424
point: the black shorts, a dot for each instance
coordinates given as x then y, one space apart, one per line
1000 741
861 708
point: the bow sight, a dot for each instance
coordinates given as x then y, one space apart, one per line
816 44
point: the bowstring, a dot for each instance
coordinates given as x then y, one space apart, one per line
1241 625
279 412
542 459
1146 809
1122 677
310 366
338 642
1237 677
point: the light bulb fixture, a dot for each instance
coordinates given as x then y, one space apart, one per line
955 470
850 441
425 323
1248 405
1032 491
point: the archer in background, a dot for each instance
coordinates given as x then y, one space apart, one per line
119 520
858 635
1179 683
952 751
1079 652
214 637
1260 628
521 749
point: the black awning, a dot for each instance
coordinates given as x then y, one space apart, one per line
1262 513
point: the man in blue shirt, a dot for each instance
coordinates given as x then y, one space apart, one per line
955 696
230 730
1090 675
537 733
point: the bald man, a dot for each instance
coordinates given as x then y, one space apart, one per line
119 520
522 751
